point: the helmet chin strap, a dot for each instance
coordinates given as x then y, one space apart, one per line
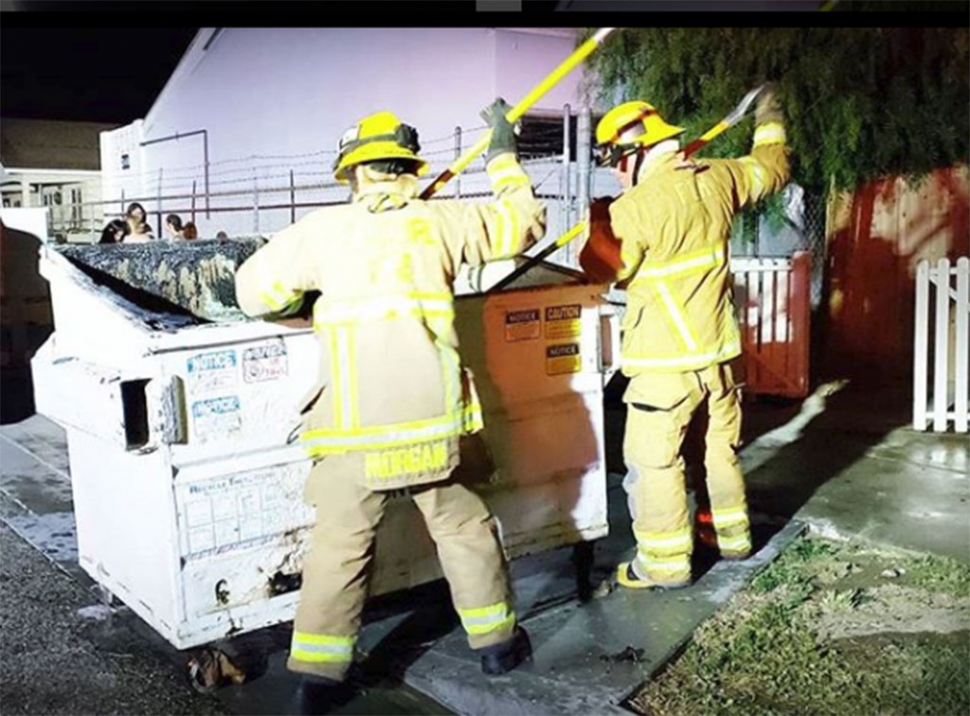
637 165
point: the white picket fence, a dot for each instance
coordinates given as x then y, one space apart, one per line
941 396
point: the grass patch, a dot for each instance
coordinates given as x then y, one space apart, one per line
763 654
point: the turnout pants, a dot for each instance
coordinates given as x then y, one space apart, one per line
337 567
659 410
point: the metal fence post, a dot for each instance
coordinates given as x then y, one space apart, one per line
193 201
583 154
159 206
565 211
255 205
458 156
292 199
122 201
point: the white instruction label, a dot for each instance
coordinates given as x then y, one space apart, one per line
228 513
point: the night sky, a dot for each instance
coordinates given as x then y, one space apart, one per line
87 74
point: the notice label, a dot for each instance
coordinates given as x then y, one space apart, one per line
212 372
216 418
228 513
563 321
522 325
264 362
563 358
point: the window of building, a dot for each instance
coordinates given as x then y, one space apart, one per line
541 135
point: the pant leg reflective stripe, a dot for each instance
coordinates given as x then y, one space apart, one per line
322 647
730 517
665 542
655 563
734 544
483 620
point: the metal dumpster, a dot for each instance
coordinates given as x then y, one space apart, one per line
181 424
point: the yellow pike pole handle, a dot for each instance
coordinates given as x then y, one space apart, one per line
736 115
514 114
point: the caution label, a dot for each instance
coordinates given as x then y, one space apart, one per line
563 321
563 358
522 325
265 362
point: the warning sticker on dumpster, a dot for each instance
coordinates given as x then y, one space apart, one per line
522 325
216 418
563 321
264 362
563 358
212 372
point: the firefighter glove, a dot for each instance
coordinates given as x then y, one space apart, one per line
768 108
503 133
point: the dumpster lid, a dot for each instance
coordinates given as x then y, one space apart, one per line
193 280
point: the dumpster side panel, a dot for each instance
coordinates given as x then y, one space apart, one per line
244 396
125 526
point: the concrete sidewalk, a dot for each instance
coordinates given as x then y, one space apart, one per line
842 464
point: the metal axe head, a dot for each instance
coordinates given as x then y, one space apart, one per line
739 112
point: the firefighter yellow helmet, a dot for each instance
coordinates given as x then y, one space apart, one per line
378 136
628 127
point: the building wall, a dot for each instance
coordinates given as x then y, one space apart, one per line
275 100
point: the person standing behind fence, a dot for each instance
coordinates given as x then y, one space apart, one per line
386 264
189 231
114 232
139 230
680 332
174 228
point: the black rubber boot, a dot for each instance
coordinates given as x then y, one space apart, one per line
318 695
501 658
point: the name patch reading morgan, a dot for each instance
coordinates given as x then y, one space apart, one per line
563 358
388 464
522 325
563 321
264 362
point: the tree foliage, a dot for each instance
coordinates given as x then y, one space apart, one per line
860 103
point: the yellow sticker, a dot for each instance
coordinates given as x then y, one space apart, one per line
562 359
388 464
563 321
522 325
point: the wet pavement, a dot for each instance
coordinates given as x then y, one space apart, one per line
843 464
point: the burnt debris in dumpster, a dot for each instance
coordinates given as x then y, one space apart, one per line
195 277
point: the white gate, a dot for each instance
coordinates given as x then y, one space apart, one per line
940 393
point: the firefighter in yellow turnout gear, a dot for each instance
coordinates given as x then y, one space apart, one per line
680 330
395 398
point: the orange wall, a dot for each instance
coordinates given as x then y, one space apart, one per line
876 237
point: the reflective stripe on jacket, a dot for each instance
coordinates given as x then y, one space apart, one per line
385 265
675 229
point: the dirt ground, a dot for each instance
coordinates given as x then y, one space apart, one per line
830 628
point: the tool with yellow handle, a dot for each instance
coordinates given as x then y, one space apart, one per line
608 249
581 53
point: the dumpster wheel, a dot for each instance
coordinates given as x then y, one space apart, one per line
210 669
